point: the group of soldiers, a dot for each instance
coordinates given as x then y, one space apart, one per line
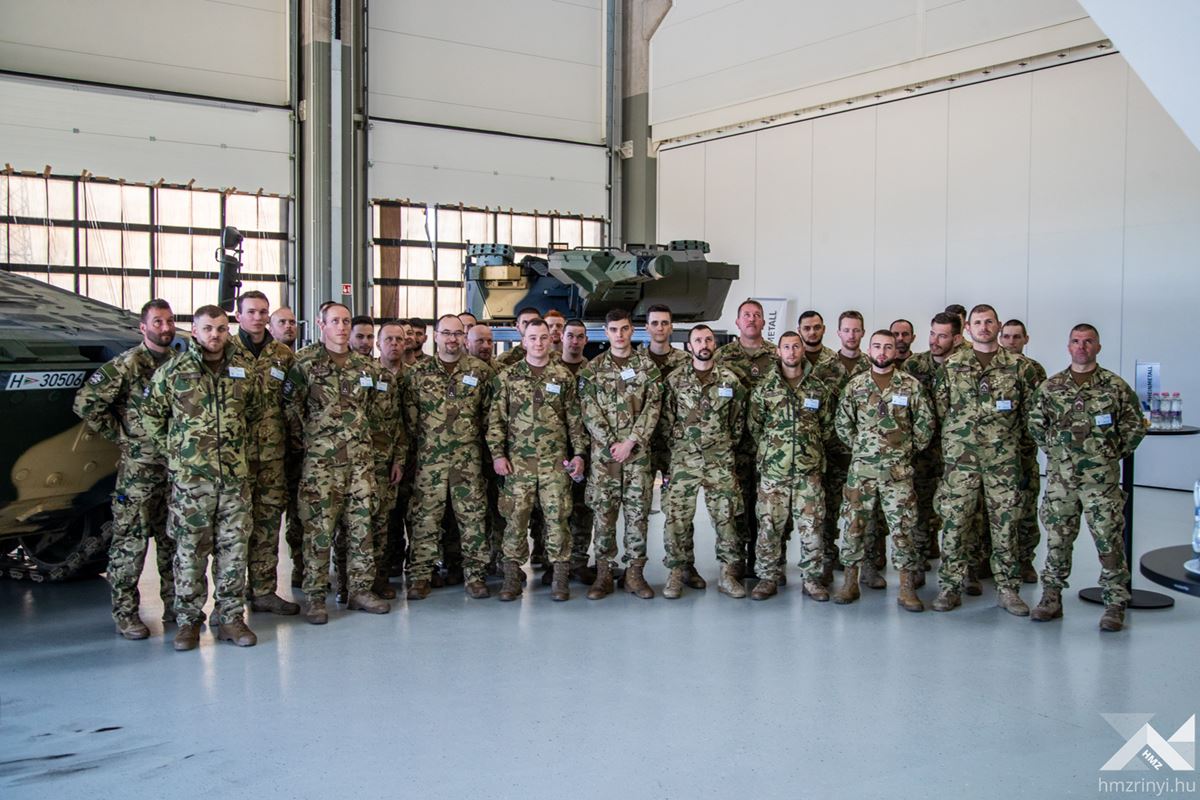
438 467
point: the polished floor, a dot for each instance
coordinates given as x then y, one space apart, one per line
700 697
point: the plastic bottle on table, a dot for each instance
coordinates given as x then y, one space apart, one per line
1155 411
1196 522
1176 411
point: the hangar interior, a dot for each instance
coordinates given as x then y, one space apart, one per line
890 156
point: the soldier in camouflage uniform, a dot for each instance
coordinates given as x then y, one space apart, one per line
282 328
621 395
582 520
1087 420
751 358
790 417
479 344
982 400
927 464
705 411
328 398
884 418
516 354
905 334
390 441
446 401
202 408
265 453
536 438
110 403
1014 338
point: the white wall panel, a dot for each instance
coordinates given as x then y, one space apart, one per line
230 50
843 225
139 138
681 194
910 209
988 196
434 165
783 225
534 68
729 212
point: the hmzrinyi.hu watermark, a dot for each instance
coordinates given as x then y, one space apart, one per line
1148 786
1145 749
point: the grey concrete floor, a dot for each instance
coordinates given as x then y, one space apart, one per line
703 696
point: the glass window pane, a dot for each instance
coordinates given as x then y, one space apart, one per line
101 202
174 207
174 251
206 209
449 225
62 246
62 281
60 198
504 229
420 302
450 261
416 263
28 244
101 249
204 292
524 231
4 243
4 195
272 289
137 292
105 288
177 292
543 232
241 211
413 226
475 227
273 214
136 204
450 300
204 250
27 197
592 232
136 254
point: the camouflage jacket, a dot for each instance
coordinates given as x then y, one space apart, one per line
620 403
446 411
983 412
1087 429
922 367
389 434
534 420
749 369
790 425
706 419
675 359
1029 447
204 420
328 408
513 355
884 429
112 404
271 365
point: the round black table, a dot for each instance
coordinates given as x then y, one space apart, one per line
1138 598
1165 567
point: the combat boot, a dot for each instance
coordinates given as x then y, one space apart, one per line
477 589
603 585
1049 607
1028 573
316 613
972 586
675 582
907 598
297 573
849 591
511 588
419 589
1113 619
188 636
816 591
382 588
947 600
870 575
729 583
132 628
764 589
366 601
738 569
560 588
693 578
236 632
1010 601
455 575
274 604
635 580
826 578
919 579
584 574
548 575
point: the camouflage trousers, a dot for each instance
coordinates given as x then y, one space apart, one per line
550 489
802 500
210 519
612 487
1028 532
434 487
746 522
722 497
927 471
837 468
580 524
960 495
331 493
1104 506
866 495
382 503
294 531
139 511
268 501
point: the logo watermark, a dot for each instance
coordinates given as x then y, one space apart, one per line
1147 750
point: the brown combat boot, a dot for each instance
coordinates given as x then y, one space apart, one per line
274 604
1010 600
764 589
972 586
476 589
316 613
870 575
907 598
947 600
132 628
675 583
849 591
548 575
1113 619
1028 573
366 601
560 588
1049 607
603 585
635 580
584 574
816 591
419 589
826 578
729 583
382 588
693 578
511 588
236 632
188 636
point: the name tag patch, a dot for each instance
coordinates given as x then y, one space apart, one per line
366 381
237 372
725 391
900 400
1004 405
1103 420
277 373
628 374
382 386
470 380
812 402
553 388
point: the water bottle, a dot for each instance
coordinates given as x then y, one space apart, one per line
1156 416
1196 522
1176 411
